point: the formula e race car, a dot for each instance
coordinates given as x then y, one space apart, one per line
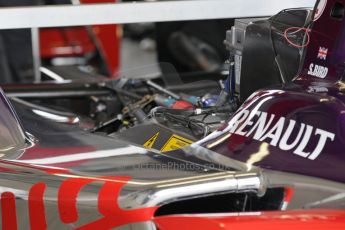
276 162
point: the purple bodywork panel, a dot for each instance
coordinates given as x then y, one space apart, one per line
287 130
327 45
298 127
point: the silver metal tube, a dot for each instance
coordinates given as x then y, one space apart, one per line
185 188
163 90
36 56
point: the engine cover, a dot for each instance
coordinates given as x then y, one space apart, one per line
288 130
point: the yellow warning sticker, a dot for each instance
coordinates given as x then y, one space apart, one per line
175 142
151 141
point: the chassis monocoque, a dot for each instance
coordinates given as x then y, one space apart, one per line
277 162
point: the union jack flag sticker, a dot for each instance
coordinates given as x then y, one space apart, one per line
322 53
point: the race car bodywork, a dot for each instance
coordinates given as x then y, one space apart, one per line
61 177
324 219
281 150
71 179
300 121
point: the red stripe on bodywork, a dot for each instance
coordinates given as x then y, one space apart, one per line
289 192
274 220
114 216
36 207
49 170
39 152
67 198
8 211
